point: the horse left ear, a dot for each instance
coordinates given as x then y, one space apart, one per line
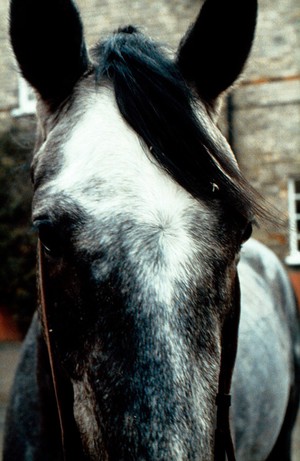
213 53
47 39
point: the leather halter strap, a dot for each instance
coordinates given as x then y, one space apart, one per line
49 344
224 448
70 441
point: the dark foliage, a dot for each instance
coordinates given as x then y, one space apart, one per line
17 239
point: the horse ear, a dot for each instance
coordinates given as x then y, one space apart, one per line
212 54
47 39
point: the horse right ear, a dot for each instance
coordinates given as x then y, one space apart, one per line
47 39
213 53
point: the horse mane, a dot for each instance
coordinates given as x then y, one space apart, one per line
156 102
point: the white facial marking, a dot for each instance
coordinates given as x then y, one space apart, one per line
107 171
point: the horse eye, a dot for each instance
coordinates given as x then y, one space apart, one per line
247 232
49 238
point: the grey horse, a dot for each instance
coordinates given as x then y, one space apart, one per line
141 213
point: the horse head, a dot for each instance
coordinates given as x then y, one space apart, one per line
141 211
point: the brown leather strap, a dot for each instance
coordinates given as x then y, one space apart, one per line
223 439
47 335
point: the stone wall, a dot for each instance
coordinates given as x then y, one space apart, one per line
8 73
266 113
164 20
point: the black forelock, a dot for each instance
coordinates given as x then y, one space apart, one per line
157 103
